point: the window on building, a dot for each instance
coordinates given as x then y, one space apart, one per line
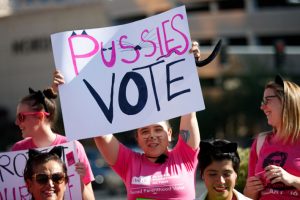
237 41
197 7
128 19
289 40
231 4
277 3
29 45
205 42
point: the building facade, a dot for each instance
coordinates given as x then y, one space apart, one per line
248 28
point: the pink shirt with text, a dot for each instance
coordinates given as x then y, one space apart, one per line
285 155
174 179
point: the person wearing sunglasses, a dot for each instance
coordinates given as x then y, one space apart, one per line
45 174
219 164
274 167
35 116
157 173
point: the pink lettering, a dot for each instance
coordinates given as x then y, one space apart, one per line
162 38
113 55
148 41
165 36
11 193
70 185
182 34
159 42
86 55
23 192
136 49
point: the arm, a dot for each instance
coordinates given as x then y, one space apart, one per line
86 189
189 130
253 184
87 192
108 145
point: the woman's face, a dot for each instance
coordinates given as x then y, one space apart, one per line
30 123
272 107
50 190
220 179
154 139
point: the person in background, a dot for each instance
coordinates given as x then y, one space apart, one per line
274 167
45 174
219 163
35 114
157 173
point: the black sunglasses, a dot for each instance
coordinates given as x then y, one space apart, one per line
43 179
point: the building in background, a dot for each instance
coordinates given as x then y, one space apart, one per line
250 31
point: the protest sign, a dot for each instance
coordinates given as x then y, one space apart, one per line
12 164
123 77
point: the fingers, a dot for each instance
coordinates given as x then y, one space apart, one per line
80 169
195 50
58 79
255 183
274 173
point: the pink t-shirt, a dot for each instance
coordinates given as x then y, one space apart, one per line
174 179
27 143
285 155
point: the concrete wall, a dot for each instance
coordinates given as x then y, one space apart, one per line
32 65
25 52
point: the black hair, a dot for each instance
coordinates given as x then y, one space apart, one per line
39 159
218 150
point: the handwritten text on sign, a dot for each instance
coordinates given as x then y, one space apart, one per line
123 77
12 164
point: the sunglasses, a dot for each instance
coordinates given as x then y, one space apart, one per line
21 116
43 179
265 100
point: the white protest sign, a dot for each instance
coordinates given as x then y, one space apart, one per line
12 164
124 77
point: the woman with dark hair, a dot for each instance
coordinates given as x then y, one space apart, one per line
274 167
36 113
45 175
219 164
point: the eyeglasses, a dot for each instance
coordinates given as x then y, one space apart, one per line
266 99
43 179
21 116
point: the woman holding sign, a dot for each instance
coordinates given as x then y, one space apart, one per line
158 173
35 114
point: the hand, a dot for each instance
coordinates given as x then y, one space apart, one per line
80 169
58 79
253 186
276 174
195 50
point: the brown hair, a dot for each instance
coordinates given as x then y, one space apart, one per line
42 101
